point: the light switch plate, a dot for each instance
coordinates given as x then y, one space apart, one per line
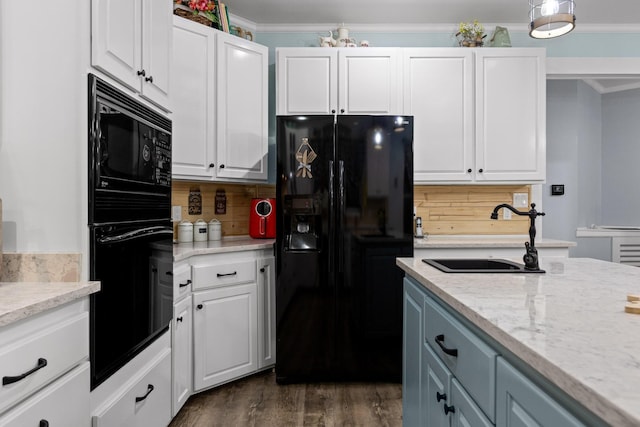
176 213
520 200
506 214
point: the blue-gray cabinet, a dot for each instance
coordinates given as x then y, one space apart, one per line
452 376
412 354
521 403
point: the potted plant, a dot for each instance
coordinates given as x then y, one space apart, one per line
202 11
470 34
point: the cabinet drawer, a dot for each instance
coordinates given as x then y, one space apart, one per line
470 360
145 400
215 275
181 282
37 358
52 404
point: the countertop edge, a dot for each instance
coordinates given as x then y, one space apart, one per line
574 388
70 291
441 242
183 251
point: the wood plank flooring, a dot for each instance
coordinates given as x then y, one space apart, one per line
258 401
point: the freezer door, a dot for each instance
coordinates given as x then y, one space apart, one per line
305 292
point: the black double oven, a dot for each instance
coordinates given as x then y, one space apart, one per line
129 225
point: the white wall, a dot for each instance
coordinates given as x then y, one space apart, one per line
43 110
574 152
621 158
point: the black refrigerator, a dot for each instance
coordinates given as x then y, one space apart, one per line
344 193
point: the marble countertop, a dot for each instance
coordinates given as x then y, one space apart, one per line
183 251
19 300
489 241
568 324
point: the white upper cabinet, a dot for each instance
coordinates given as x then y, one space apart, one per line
479 114
131 41
242 108
220 99
510 114
193 98
338 81
438 92
368 81
307 81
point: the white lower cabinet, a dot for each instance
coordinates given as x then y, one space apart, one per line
44 365
225 334
182 353
145 400
63 403
266 312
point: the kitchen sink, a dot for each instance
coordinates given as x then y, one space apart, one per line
471 265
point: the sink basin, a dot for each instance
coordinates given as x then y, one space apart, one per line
471 265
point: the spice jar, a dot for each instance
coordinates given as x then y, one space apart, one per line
200 231
185 232
215 229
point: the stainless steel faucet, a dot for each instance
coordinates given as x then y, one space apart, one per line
530 258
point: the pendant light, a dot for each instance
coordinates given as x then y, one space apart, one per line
551 18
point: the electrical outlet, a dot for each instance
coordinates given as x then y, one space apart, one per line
506 213
176 213
520 200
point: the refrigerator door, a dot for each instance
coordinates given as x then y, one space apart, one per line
374 178
305 291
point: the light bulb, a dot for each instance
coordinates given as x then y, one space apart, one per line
549 7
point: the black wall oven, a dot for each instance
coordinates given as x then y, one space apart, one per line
129 226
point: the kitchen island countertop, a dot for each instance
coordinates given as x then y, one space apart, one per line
569 325
19 300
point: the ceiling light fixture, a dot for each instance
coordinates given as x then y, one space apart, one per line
551 18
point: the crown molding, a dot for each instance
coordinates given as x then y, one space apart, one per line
431 28
242 22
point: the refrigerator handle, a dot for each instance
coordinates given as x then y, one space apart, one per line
331 212
340 215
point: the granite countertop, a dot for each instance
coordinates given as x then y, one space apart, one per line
568 324
488 241
19 300
183 251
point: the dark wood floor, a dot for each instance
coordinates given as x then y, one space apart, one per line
259 401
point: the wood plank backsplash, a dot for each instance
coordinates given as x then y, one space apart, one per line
466 209
445 209
235 222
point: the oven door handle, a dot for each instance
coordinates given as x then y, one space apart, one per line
136 234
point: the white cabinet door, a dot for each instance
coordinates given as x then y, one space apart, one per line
338 81
438 93
181 352
156 50
266 312
116 39
510 115
225 334
193 100
368 81
242 108
307 81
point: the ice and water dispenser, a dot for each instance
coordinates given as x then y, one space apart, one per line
302 223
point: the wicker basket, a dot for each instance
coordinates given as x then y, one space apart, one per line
187 13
